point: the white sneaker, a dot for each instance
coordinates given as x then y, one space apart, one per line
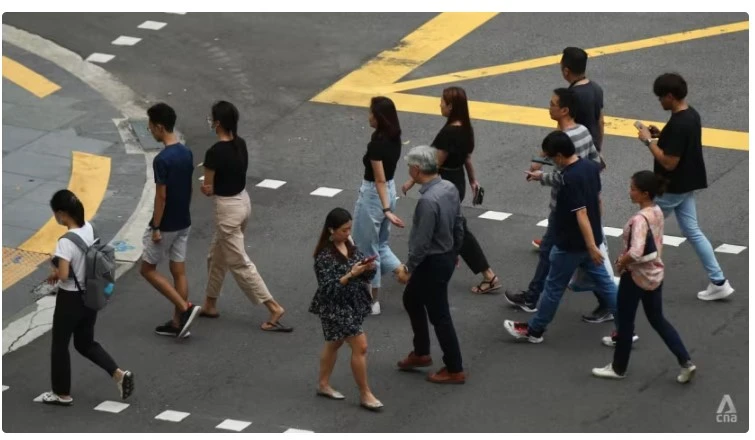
714 292
607 373
376 308
687 373
610 341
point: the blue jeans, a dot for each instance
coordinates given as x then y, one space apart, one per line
543 264
563 264
537 284
371 230
683 205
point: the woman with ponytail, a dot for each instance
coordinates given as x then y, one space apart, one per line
642 272
225 167
72 317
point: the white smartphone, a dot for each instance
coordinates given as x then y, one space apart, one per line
638 125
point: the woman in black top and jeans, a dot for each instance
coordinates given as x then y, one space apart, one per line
373 214
225 166
455 144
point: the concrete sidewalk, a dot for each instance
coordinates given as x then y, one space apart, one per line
63 139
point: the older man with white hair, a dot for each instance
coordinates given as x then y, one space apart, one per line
434 244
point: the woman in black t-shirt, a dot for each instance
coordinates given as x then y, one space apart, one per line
225 166
373 213
455 144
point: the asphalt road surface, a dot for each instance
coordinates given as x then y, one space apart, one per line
270 66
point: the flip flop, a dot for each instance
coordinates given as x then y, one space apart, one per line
209 315
335 395
277 327
492 286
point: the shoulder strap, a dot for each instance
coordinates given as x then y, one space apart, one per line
77 240
81 244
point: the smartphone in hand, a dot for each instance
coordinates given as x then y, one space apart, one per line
369 260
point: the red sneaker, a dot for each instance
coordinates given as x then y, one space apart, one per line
536 242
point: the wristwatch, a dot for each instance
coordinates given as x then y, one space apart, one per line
386 210
647 142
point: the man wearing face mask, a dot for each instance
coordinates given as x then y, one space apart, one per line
577 237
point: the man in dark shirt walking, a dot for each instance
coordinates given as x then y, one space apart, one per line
588 94
577 237
434 244
168 231
678 156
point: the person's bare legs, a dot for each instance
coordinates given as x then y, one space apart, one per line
328 359
178 270
359 367
375 293
275 309
162 285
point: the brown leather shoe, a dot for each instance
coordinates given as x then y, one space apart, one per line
413 361
443 376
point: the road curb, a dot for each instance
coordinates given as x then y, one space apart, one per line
36 319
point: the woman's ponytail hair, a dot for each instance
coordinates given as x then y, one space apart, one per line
227 116
650 182
66 201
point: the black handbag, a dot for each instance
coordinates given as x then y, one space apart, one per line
650 252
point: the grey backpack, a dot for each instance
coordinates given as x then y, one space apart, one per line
99 261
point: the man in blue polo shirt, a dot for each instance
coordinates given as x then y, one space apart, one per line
577 237
167 235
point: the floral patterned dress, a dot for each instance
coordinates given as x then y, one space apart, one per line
342 309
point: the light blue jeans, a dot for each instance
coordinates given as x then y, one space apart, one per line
371 230
683 205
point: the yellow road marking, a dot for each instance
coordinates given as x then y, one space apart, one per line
28 79
415 49
379 75
555 59
18 264
515 114
89 179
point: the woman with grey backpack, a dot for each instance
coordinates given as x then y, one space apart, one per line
73 315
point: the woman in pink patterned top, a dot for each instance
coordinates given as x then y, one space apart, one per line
641 271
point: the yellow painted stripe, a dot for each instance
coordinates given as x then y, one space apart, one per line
89 178
556 59
515 114
18 264
415 49
28 79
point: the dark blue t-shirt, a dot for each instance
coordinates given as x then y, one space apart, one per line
174 167
580 190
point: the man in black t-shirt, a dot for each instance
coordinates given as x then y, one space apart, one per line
577 237
588 94
678 154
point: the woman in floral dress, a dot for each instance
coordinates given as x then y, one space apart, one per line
342 301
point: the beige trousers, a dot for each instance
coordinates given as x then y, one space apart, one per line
227 250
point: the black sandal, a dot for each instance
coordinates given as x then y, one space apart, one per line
277 327
492 287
